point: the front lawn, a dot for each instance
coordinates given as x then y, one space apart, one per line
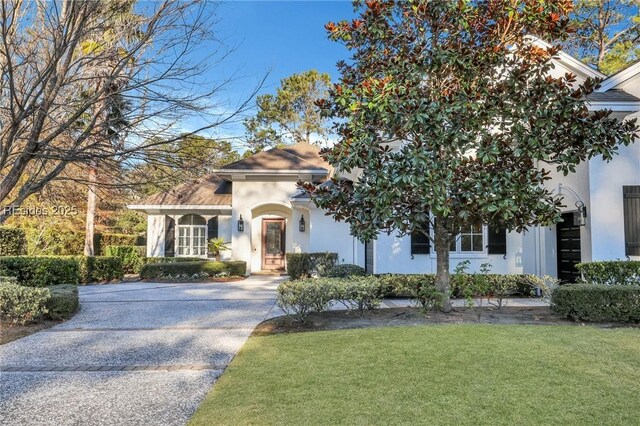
442 374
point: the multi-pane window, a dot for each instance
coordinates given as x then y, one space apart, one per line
470 239
192 236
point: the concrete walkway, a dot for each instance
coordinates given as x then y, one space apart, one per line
136 354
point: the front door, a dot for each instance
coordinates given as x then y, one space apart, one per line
273 239
569 255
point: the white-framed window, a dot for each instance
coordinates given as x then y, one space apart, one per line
471 240
192 236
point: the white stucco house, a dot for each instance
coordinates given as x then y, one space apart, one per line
254 204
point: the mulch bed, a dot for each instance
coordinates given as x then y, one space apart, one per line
340 320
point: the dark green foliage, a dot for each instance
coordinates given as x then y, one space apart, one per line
63 303
99 268
611 272
101 241
20 305
173 259
33 271
597 303
345 270
131 257
305 265
195 268
13 242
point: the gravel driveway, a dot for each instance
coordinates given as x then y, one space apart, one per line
142 353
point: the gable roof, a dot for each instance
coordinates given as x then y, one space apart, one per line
620 77
209 190
301 156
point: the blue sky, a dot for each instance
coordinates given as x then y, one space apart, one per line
275 37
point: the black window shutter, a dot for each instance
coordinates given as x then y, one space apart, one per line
631 207
420 242
169 237
497 243
212 228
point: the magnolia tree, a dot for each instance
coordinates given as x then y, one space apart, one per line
448 117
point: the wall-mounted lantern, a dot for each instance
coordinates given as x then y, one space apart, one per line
240 224
301 224
580 215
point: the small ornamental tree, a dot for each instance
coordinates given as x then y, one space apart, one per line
448 116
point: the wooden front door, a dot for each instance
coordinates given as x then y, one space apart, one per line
273 240
569 255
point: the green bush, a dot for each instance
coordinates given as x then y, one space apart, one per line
299 298
172 259
102 240
20 305
345 270
359 294
13 242
33 271
599 303
8 280
130 256
93 269
306 265
421 288
63 303
195 269
610 272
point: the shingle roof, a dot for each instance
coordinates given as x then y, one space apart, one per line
614 95
301 156
207 190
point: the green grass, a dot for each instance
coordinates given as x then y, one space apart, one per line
449 374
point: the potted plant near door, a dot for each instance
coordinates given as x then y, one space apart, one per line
216 246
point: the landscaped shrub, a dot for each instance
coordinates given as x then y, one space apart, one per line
173 259
360 294
618 272
8 280
63 302
102 240
93 269
419 287
195 269
598 303
299 298
13 242
33 271
20 305
345 270
132 259
306 265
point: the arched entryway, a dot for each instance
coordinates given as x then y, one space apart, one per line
271 236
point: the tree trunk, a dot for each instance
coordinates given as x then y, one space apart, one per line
91 210
442 243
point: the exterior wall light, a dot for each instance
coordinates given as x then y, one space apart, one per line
301 224
240 224
580 216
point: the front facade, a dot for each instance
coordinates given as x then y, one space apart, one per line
255 205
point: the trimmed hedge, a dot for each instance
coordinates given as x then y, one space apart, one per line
306 265
196 269
102 240
98 269
300 298
619 272
63 303
346 270
173 259
588 302
40 271
13 242
21 305
132 257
